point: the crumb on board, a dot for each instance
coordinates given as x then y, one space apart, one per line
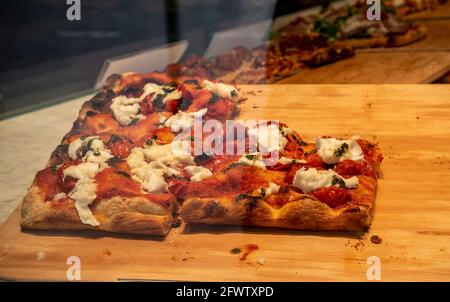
235 251
375 239
255 107
107 252
359 245
40 255
261 261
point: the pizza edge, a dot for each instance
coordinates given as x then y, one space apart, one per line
117 214
305 213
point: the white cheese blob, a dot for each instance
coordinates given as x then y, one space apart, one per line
273 188
127 110
288 161
150 163
222 90
165 93
151 179
268 138
84 191
183 119
332 150
96 150
198 173
253 159
312 179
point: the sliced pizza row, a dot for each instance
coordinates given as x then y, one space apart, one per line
149 147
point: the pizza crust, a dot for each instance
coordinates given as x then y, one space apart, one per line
117 214
304 213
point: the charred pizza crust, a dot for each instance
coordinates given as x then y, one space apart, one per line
301 211
305 213
117 214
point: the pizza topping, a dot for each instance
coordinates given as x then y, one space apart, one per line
253 159
198 173
273 188
332 196
267 138
151 179
332 150
311 179
84 191
89 149
223 91
184 119
290 161
151 163
126 110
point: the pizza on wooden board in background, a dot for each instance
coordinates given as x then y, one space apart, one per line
348 26
125 166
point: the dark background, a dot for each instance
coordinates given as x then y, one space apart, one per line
45 56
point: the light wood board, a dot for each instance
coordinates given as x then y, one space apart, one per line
410 122
378 68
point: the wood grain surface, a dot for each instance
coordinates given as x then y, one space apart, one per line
410 122
378 68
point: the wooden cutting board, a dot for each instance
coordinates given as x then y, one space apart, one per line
410 122
378 68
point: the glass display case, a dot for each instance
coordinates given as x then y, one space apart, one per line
260 140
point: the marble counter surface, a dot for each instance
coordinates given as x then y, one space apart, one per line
26 142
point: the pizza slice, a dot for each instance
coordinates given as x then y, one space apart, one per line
112 170
329 185
347 26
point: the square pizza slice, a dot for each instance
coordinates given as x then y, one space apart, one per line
111 171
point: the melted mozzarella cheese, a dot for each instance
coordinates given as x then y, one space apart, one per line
150 164
223 91
288 161
96 150
313 179
84 191
198 173
268 138
253 159
328 150
165 93
273 188
183 119
151 178
126 110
